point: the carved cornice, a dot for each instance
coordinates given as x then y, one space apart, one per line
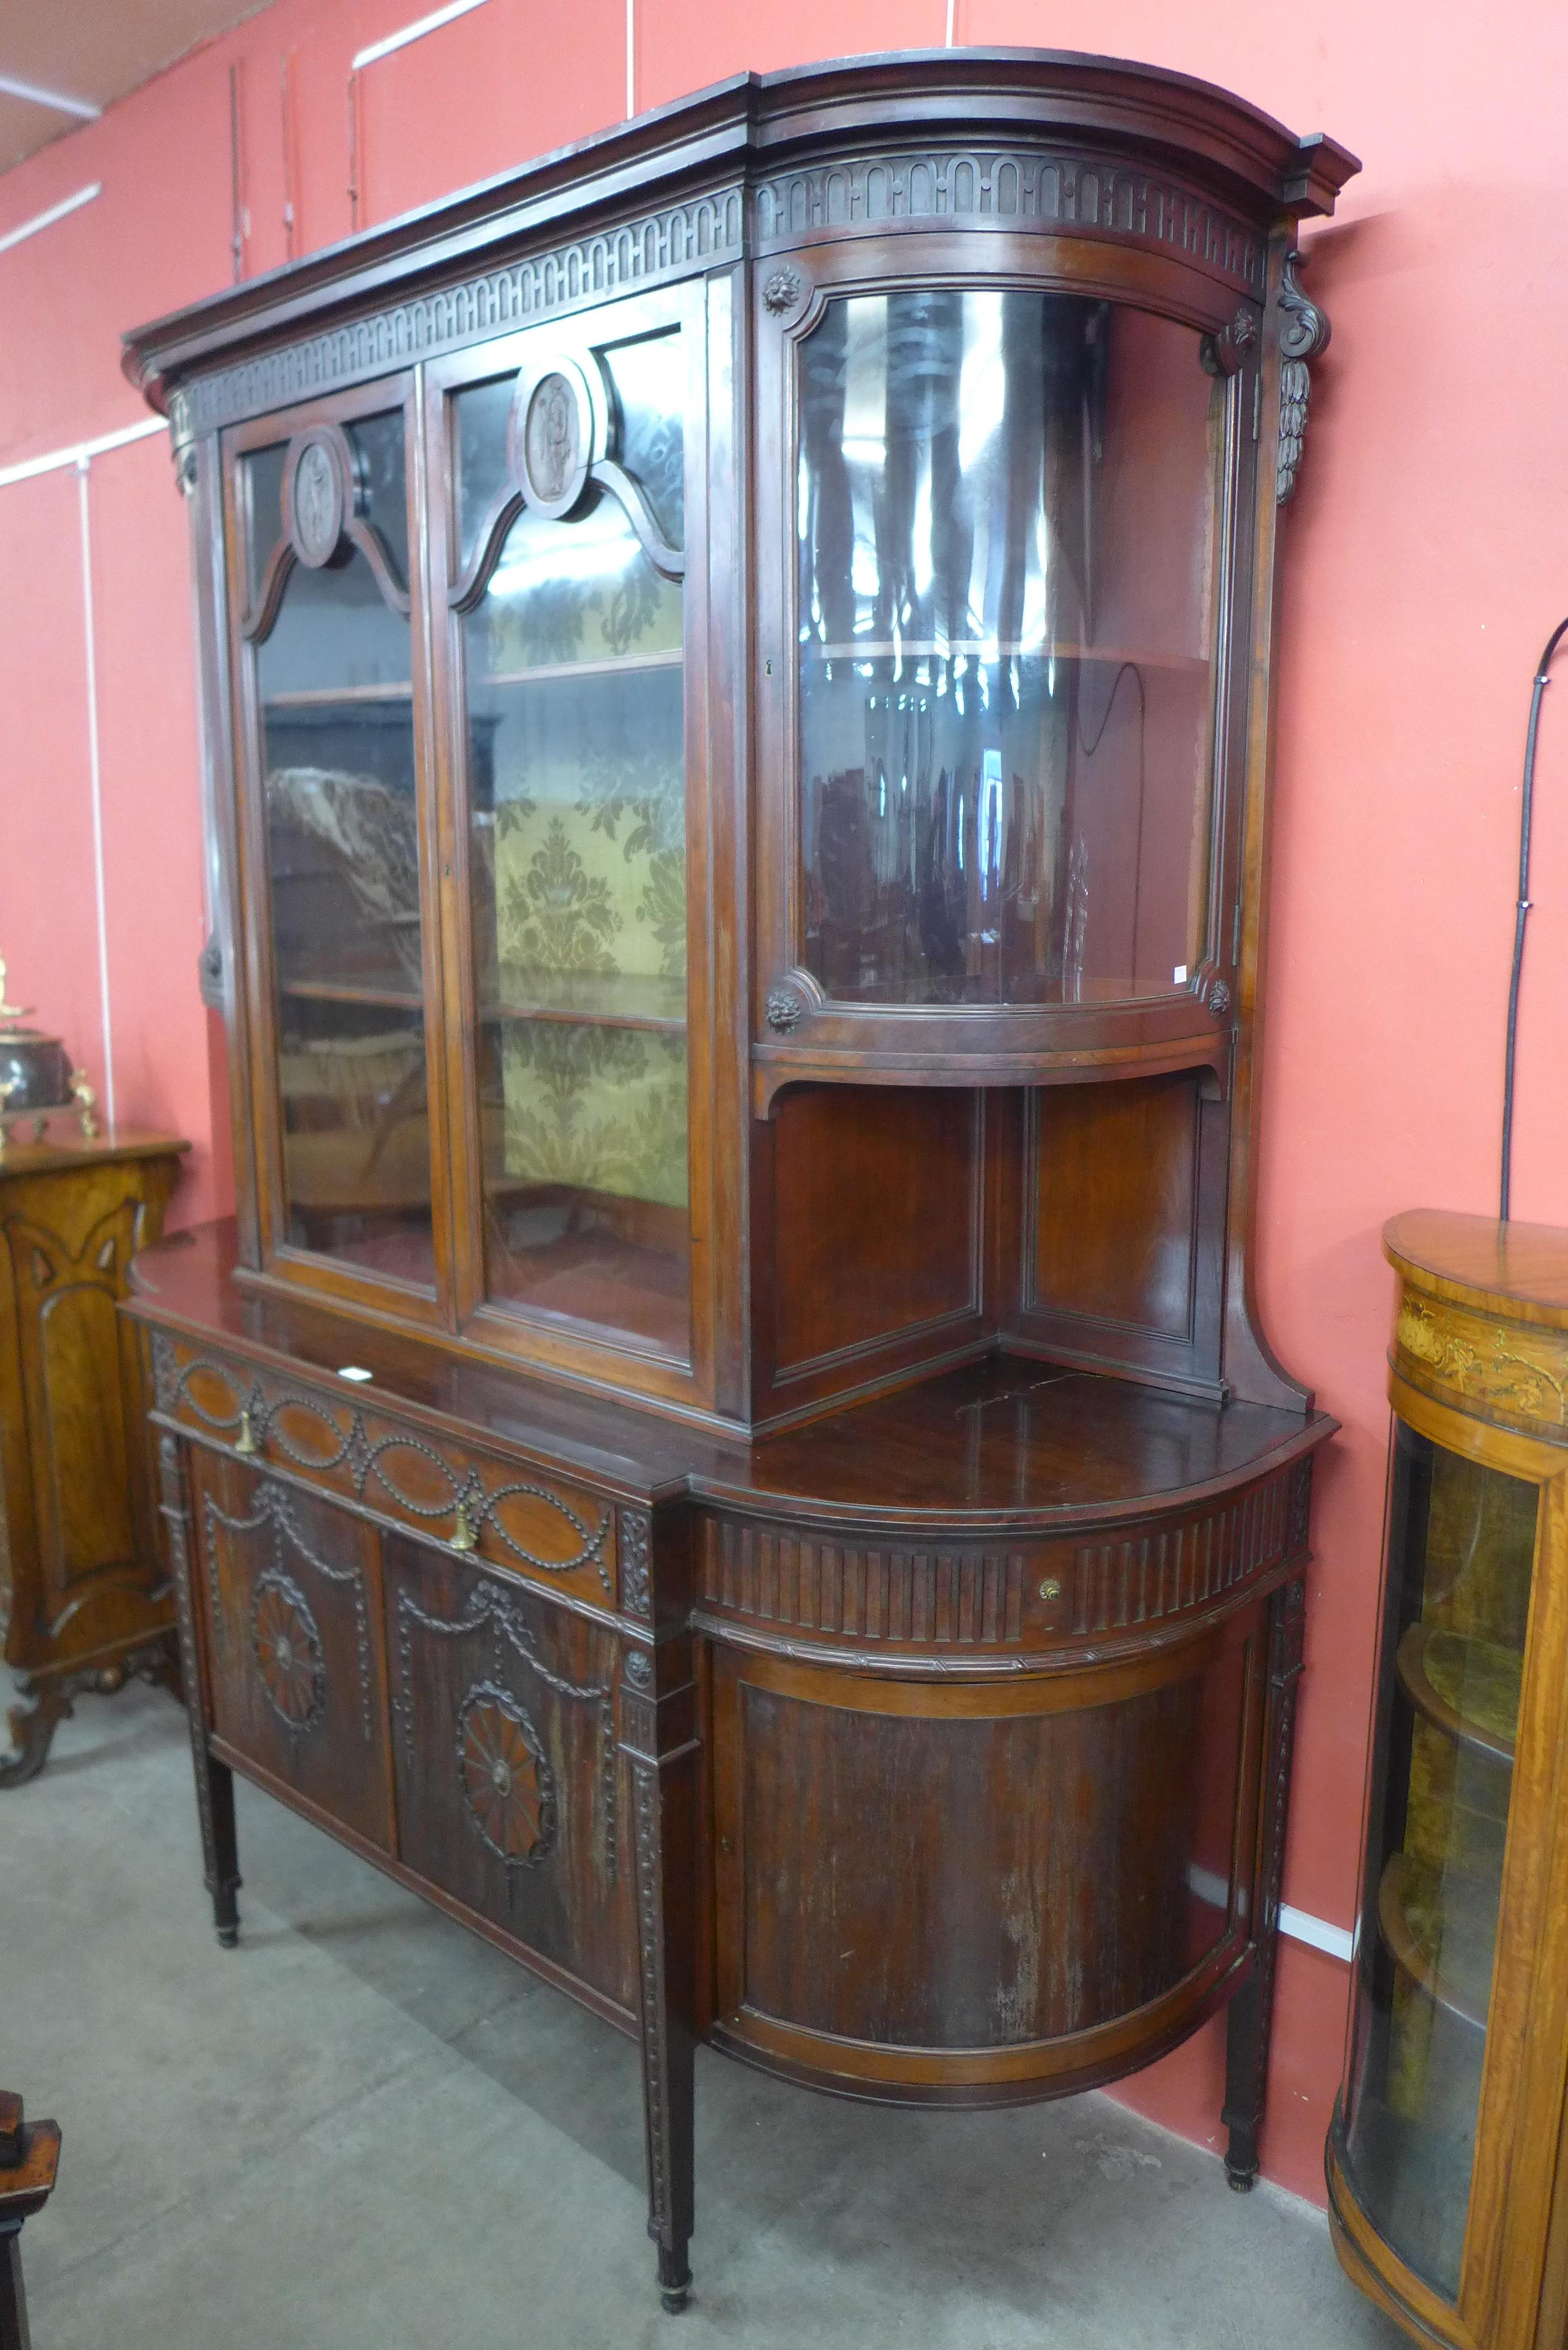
1304 334
651 251
1051 191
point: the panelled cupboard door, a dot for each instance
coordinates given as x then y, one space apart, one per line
509 1784
997 1875
567 472
289 1588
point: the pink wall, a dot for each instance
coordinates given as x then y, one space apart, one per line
1426 562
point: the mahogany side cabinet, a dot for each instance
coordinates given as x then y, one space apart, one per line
85 1598
727 1441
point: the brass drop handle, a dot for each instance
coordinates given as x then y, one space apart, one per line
462 1535
86 1100
245 1441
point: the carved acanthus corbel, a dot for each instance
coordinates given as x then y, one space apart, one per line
183 442
1303 333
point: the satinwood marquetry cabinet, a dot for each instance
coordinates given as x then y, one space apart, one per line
84 1597
1448 2189
726 1440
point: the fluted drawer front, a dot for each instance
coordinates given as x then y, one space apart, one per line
901 1592
534 1525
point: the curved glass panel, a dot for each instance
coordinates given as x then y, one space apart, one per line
333 682
1460 1556
1006 596
578 884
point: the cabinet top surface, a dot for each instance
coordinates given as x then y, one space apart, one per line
69 1150
747 129
1514 1269
1007 1442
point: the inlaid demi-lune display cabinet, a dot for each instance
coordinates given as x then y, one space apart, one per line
1447 2159
727 1442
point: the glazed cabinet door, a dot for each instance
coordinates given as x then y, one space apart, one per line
996 729
289 1594
510 1794
566 466
341 951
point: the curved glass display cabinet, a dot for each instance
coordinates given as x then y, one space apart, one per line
1442 2161
736 665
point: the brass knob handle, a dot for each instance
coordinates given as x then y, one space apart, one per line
1050 1589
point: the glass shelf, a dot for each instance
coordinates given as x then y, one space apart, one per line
1410 1915
1467 1688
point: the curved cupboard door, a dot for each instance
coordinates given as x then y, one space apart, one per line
1461 1556
335 816
1001 802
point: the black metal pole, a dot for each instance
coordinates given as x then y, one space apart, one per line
1522 910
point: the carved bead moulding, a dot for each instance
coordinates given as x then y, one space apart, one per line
967 1601
539 1528
1514 1373
506 1781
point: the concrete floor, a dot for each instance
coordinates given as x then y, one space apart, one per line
365 2128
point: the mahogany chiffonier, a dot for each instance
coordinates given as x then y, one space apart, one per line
1447 2178
727 1441
83 1591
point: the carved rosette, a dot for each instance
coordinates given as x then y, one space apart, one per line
782 1010
506 1783
1304 335
1226 353
287 1651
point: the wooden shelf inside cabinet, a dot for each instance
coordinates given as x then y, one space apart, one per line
1460 1988
992 649
591 1000
1468 1689
555 673
329 697
348 991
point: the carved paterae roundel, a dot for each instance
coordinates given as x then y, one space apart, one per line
557 429
506 1783
287 1651
316 498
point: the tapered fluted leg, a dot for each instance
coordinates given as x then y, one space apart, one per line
664 1811
1251 2017
214 1781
